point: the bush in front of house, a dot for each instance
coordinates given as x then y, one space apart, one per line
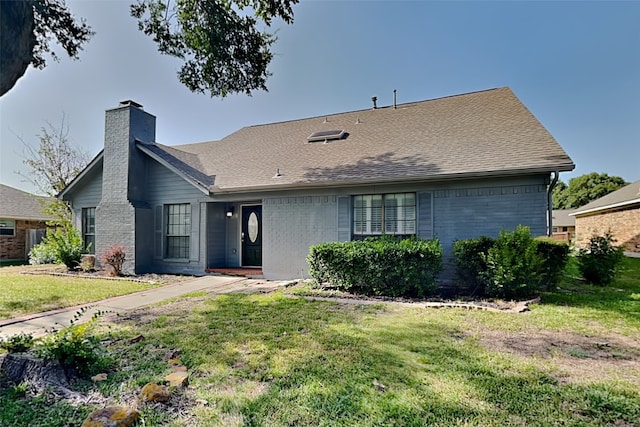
513 265
555 255
115 257
66 245
378 266
42 253
599 261
471 262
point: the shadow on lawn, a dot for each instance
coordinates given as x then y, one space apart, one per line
9 308
621 298
295 362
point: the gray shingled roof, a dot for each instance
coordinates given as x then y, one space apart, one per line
18 204
476 134
626 196
563 218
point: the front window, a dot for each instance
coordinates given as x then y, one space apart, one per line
178 230
7 227
89 230
377 214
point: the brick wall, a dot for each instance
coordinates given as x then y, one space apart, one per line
14 247
623 224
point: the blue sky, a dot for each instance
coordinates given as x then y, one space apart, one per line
575 65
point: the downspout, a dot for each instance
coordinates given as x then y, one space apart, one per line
554 181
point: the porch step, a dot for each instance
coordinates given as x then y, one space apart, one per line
252 273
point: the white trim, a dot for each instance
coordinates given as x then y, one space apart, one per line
606 207
81 175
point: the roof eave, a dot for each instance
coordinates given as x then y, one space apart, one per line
607 207
352 183
81 175
197 184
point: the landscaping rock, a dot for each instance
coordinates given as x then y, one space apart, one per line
99 377
112 416
152 392
178 379
179 368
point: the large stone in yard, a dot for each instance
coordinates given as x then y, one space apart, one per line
178 379
152 392
112 416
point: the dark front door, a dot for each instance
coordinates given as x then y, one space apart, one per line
251 236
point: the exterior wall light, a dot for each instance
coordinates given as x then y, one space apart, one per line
230 212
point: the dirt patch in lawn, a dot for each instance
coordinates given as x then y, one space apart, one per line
577 358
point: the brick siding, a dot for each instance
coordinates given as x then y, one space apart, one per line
623 224
14 247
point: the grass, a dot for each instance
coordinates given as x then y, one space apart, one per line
27 293
274 360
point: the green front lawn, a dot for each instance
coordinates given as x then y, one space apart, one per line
27 293
275 360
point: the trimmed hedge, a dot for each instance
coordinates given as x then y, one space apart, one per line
378 266
555 256
471 261
513 266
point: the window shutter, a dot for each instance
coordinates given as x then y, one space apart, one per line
425 215
344 218
194 240
158 226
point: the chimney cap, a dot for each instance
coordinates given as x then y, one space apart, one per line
130 103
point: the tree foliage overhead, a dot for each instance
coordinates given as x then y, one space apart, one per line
28 27
223 50
584 189
224 44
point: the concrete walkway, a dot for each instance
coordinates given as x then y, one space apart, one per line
38 324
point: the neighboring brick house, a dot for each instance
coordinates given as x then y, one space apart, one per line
564 225
617 212
452 168
22 223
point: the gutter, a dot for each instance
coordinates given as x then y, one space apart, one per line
554 181
606 207
298 185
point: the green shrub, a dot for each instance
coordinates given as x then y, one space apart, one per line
378 266
599 261
42 253
67 245
75 347
513 265
17 343
471 262
555 256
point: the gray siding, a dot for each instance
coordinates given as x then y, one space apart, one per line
291 225
447 211
165 187
216 235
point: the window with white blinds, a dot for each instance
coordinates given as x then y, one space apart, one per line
377 214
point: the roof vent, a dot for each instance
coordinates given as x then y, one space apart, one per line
326 135
130 103
374 99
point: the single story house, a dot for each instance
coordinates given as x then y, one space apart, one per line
564 225
22 223
451 168
617 212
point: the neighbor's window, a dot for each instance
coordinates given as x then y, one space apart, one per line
7 227
89 230
178 230
377 214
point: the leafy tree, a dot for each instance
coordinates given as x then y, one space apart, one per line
584 189
54 163
27 28
220 42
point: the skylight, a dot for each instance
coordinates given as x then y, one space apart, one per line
326 135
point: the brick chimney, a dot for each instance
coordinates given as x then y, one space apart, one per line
123 180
